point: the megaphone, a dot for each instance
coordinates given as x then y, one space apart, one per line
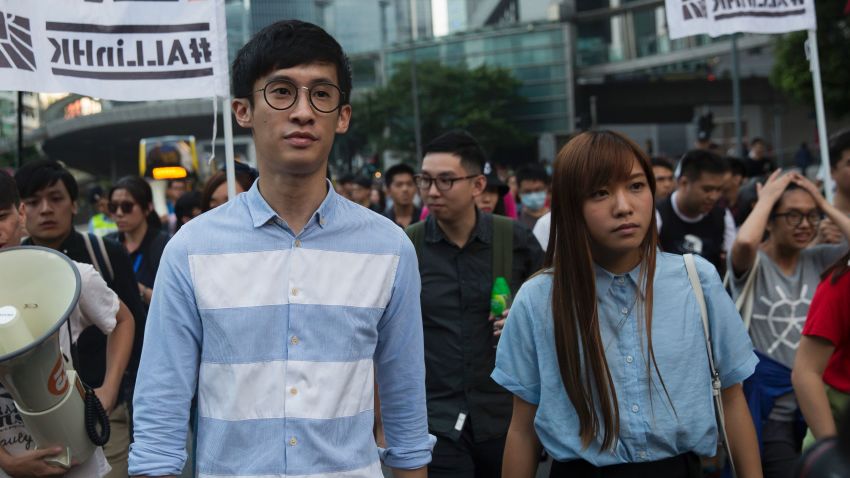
39 289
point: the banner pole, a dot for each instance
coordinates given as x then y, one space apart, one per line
736 98
229 164
814 65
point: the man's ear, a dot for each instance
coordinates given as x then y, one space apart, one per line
74 207
343 119
479 184
243 112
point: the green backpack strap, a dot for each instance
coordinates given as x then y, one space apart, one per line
416 233
503 248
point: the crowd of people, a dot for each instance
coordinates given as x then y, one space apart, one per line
292 328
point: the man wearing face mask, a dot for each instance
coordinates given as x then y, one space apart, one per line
533 185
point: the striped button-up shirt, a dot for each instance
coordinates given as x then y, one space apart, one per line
284 337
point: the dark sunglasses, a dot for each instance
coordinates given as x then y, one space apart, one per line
125 206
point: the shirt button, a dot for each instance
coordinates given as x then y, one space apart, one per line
642 454
293 391
298 243
322 221
635 408
629 359
293 441
625 310
294 291
621 280
294 340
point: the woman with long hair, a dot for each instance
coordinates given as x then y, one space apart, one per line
604 349
139 229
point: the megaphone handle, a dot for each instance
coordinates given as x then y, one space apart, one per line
62 460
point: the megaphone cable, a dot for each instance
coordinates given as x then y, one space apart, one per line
96 415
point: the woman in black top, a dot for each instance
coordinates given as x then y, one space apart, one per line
139 229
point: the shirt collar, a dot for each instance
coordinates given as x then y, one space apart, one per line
483 230
605 279
261 213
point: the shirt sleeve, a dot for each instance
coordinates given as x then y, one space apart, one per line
541 230
517 369
729 230
168 372
733 351
98 303
400 369
828 313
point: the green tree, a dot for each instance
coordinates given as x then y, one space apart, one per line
482 101
791 70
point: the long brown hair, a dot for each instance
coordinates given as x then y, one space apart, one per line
588 162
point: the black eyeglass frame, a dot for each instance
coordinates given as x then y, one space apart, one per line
298 92
418 179
790 215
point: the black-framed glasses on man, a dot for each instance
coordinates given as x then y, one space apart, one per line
443 183
282 95
795 218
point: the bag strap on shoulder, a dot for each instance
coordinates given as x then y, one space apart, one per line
416 233
503 248
99 256
696 285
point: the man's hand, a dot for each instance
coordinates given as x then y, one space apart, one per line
31 464
499 324
107 398
828 233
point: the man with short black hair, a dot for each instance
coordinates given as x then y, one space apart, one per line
533 187
662 168
288 306
402 190
691 221
757 162
461 252
49 193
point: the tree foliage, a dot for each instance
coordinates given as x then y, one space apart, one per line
481 100
791 70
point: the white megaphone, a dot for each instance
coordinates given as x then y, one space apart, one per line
39 289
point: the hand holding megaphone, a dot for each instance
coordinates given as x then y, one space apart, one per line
31 463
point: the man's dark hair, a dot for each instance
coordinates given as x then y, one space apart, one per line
737 166
286 44
363 181
532 172
401 168
662 163
36 175
462 144
698 161
756 141
8 191
838 143
185 204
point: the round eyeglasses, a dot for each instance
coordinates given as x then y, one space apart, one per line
795 218
282 95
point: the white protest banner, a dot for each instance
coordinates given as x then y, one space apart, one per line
686 18
128 50
760 16
722 17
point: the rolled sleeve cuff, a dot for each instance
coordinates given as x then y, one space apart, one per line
741 373
148 461
408 458
513 386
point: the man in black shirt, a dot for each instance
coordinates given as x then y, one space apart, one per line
467 411
49 193
690 219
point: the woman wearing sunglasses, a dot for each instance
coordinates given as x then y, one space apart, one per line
139 229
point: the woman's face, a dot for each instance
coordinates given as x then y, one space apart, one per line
126 212
619 215
219 196
487 200
794 205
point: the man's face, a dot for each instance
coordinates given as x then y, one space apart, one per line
360 194
452 204
50 213
175 190
295 141
701 195
11 226
782 232
402 190
732 186
841 173
663 182
757 151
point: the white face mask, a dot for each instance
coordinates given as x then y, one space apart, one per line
534 201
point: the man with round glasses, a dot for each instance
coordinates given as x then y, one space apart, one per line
289 305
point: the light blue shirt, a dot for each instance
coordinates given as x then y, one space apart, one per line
284 337
527 364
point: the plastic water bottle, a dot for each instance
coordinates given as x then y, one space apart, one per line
500 301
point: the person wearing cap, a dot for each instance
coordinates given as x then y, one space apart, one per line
492 199
100 223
